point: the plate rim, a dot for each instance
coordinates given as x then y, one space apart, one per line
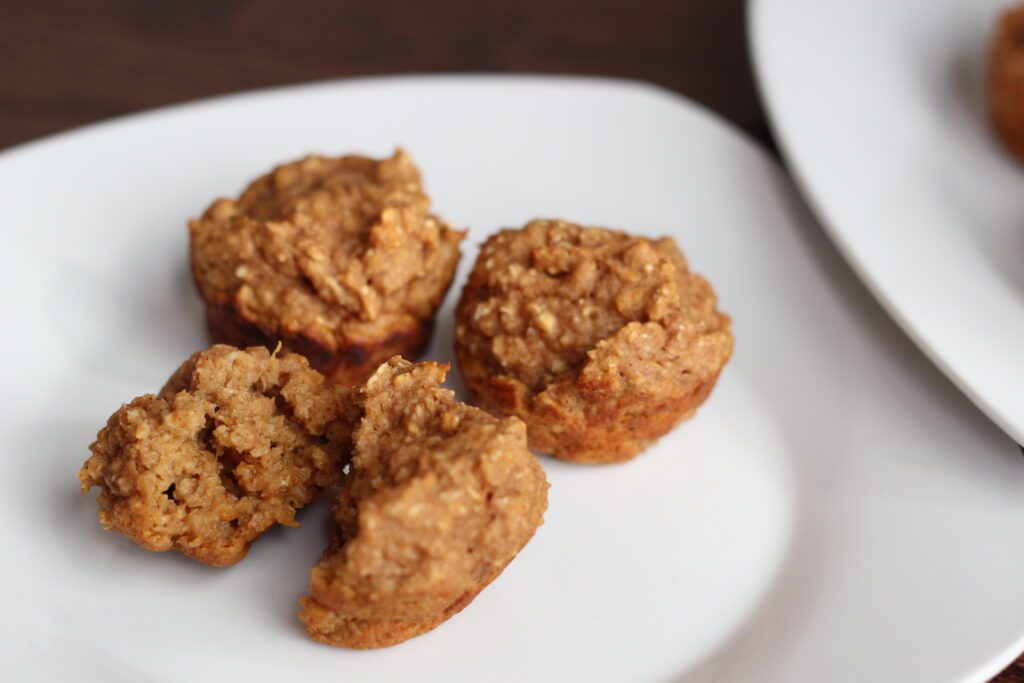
397 79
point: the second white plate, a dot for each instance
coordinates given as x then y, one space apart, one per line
880 110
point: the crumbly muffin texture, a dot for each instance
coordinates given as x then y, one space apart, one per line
338 258
599 340
440 497
235 442
1006 80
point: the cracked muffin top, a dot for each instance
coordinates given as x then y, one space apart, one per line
542 298
440 497
335 250
235 442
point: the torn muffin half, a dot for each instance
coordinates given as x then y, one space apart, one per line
235 442
440 497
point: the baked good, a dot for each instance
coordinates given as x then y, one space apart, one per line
1006 81
600 341
440 497
339 259
235 442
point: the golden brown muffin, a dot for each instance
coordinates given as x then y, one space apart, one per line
236 442
600 341
1006 81
339 259
440 497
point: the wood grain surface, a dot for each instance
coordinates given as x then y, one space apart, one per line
67 63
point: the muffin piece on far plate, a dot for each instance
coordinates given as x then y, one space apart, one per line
1006 80
236 442
600 341
339 259
441 496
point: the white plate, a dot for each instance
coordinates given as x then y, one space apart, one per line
879 108
836 511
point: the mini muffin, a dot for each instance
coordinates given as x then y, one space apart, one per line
236 442
339 259
440 497
600 341
1006 81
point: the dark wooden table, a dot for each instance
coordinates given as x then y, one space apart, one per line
66 63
